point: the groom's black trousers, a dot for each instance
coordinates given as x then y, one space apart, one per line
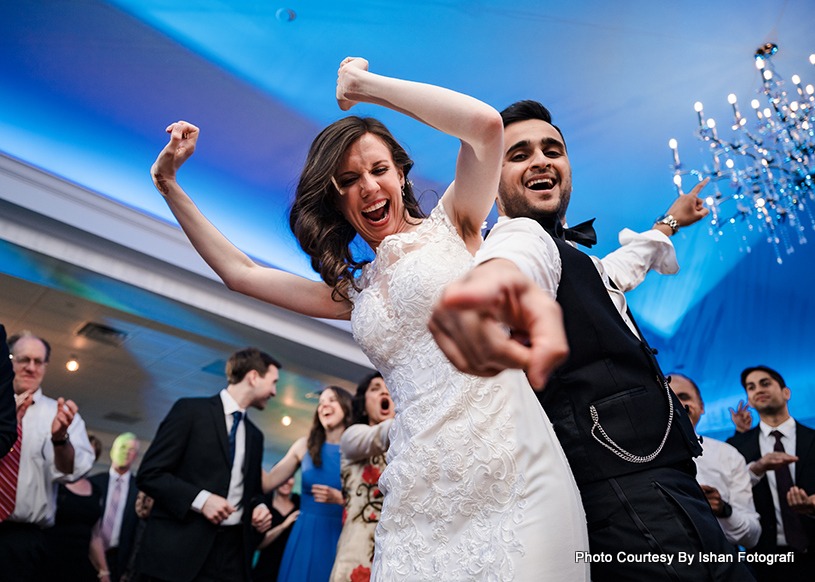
644 516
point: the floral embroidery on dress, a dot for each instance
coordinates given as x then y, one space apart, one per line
361 574
363 504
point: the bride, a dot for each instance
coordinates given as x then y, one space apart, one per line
476 487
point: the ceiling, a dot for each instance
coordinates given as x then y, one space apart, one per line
87 88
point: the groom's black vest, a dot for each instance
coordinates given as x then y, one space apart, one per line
612 370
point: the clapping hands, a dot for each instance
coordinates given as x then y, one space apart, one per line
66 410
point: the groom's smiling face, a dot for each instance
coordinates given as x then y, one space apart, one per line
536 177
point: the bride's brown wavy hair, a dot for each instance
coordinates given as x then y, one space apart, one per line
315 219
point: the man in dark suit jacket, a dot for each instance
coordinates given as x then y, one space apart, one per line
203 470
114 536
8 409
768 394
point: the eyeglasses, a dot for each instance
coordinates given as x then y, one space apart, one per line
24 361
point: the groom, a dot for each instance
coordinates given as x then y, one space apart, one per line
628 440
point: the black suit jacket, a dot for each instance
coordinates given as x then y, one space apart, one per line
747 445
8 409
191 453
130 520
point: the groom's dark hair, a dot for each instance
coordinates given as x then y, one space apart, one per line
528 109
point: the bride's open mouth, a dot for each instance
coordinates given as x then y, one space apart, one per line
377 213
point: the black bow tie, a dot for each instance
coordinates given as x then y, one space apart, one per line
582 234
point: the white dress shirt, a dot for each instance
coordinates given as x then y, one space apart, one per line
38 477
235 494
120 509
765 445
524 242
722 466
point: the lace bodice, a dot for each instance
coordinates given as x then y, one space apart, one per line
399 290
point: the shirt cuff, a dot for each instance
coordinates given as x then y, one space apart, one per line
664 254
200 500
754 479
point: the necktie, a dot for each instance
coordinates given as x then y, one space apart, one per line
9 470
582 233
110 516
236 419
793 530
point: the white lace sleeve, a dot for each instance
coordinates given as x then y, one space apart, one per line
361 281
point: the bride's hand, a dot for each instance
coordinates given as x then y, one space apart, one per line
183 137
346 80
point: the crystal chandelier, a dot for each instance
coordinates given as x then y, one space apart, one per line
769 168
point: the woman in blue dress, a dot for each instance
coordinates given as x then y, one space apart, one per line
312 545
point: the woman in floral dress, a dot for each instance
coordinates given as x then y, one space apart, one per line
362 460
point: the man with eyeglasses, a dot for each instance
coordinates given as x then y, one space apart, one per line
54 449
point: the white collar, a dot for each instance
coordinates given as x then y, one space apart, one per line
114 474
786 428
229 403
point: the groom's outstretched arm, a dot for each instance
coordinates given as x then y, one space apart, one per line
472 321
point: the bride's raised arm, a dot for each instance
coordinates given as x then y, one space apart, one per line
237 270
479 127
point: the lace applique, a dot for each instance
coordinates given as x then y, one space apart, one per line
454 494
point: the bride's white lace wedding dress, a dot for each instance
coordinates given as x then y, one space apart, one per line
477 486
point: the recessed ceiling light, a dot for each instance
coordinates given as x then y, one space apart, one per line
285 15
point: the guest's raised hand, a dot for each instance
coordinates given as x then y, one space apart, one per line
771 462
183 137
326 494
66 410
216 509
346 81
742 417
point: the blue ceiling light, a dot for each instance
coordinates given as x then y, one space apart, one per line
285 15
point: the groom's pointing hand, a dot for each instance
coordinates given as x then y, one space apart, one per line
471 321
